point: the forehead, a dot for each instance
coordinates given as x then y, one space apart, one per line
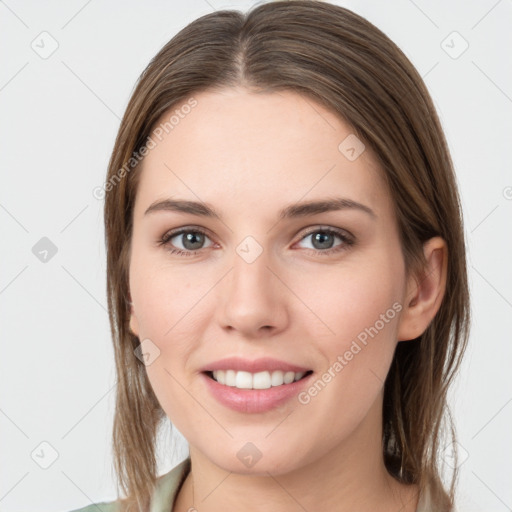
244 150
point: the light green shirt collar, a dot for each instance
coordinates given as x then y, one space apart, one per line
167 487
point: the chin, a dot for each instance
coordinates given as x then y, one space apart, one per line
249 460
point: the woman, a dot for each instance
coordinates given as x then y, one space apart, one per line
286 269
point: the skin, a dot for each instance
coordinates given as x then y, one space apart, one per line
249 155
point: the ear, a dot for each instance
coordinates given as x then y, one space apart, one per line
425 291
134 324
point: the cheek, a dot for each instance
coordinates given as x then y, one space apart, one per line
358 308
163 296
346 300
167 303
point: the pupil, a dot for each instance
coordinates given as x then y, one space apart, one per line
191 238
321 239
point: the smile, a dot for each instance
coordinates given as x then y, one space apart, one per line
259 380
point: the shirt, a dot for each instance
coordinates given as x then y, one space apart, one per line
168 485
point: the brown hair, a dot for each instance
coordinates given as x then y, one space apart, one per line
339 59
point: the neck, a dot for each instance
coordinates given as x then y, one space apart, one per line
351 476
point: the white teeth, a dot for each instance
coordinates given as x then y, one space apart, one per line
277 378
288 377
230 378
299 375
259 380
243 380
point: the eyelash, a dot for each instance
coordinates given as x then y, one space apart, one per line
347 241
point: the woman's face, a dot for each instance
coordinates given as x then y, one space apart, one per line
253 284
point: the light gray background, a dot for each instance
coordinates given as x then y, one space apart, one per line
59 117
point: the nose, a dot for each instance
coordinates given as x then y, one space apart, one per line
252 300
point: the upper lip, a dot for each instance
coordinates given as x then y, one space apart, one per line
253 366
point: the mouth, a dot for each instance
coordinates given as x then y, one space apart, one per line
254 385
259 380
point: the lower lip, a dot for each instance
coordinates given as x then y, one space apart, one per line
254 400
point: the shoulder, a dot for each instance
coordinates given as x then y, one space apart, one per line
168 486
166 489
105 506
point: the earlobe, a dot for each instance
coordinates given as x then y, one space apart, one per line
134 327
134 324
425 292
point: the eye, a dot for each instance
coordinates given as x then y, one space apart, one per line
191 241
323 240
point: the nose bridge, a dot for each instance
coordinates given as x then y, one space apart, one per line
250 298
250 277
250 272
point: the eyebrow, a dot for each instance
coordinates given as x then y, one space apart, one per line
292 211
